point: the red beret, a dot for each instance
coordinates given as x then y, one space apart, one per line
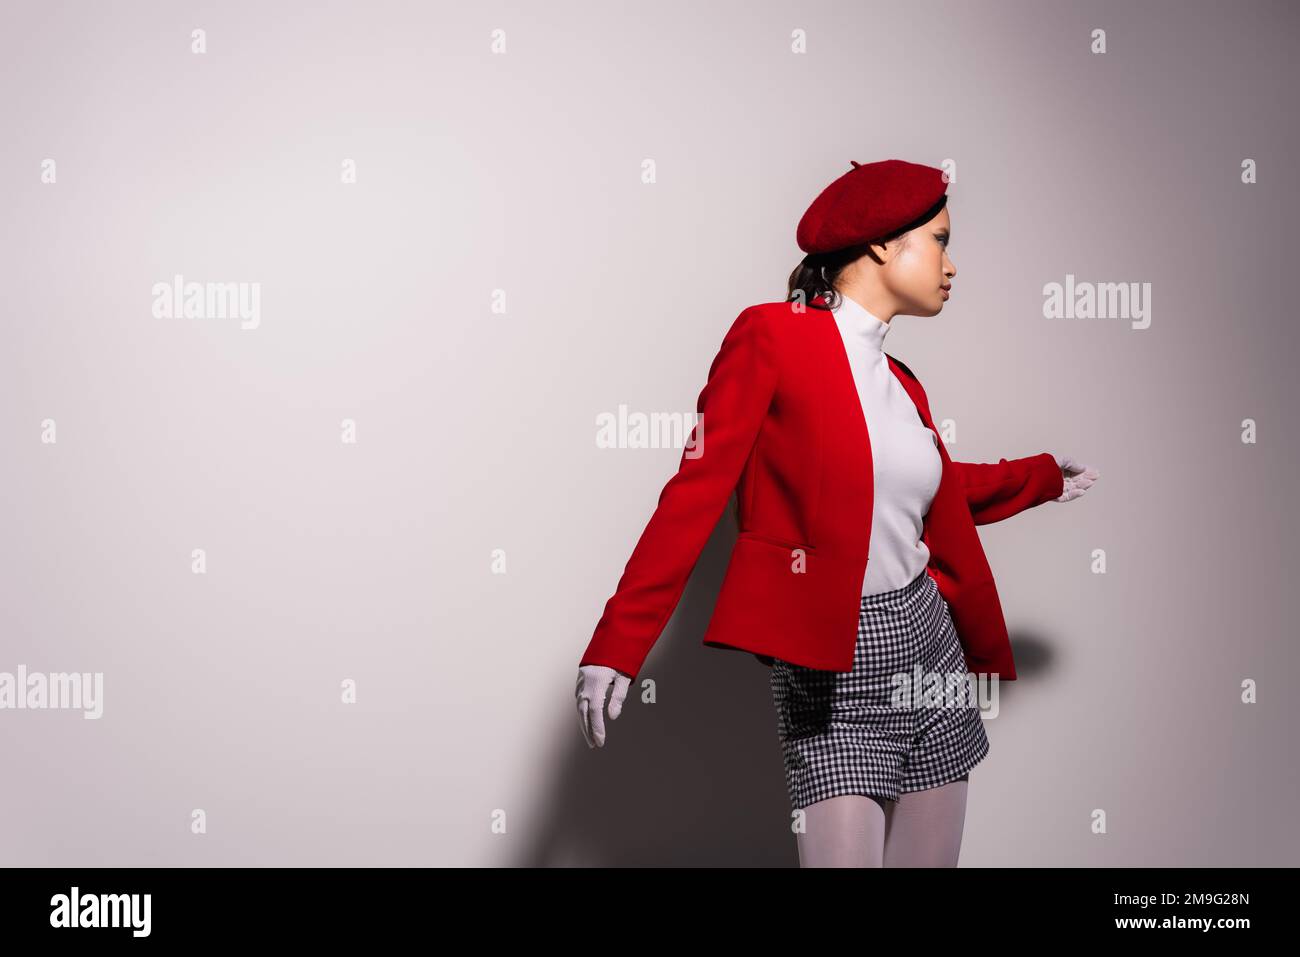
868 202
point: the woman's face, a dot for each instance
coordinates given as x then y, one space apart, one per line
918 271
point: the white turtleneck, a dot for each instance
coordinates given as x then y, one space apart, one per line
904 453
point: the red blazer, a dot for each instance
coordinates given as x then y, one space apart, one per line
782 427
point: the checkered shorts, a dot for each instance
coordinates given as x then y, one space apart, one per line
841 733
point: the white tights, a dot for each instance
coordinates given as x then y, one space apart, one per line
923 829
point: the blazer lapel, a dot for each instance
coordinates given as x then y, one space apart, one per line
918 400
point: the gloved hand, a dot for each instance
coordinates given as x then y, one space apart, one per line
593 683
1078 478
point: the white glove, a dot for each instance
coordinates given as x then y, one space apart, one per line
593 683
1078 478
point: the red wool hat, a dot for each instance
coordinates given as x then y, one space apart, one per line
868 202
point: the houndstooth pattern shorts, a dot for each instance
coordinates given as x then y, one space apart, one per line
841 733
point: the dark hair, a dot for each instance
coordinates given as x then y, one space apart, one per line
817 273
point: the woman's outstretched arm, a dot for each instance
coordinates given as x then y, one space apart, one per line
1002 489
731 407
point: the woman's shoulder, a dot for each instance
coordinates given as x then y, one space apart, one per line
781 314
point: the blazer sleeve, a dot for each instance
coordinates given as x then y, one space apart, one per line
1009 486
1000 490
731 409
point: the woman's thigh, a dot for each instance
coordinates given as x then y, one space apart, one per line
924 828
847 830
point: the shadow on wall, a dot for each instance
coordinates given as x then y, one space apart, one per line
694 779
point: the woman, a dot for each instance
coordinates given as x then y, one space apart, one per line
857 559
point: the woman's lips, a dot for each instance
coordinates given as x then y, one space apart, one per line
944 291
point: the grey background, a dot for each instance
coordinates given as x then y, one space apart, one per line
521 172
